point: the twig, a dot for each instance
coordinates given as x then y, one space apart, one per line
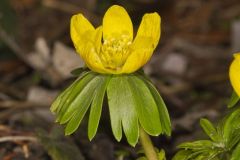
19 104
16 106
13 91
13 45
18 138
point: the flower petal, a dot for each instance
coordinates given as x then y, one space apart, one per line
138 56
144 44
79 27
90 52
235 73
116 21
92 60
150 27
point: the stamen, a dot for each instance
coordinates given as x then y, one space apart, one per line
115 51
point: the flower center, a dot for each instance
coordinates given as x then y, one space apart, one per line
115 51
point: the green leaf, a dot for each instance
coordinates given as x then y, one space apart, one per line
162 109
96 107
236 153
220 128
209 129
161 155
197 153
182 155
146 106
232 128
57 105
61 104
61 99
122 109
228 125
79 71
70 101
234 138
233 100
225 137
142 158
115 107
80 105
197 145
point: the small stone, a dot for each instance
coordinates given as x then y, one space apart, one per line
41 95
65 59
43 49
175 63
37 61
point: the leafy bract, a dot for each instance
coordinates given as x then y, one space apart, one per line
146 106
224 140
233 100
209 129
96 107
71 106
122 109
133 102
132 99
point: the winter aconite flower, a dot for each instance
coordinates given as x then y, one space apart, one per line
111 48
235 73
113 57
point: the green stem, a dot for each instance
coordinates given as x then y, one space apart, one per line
147 146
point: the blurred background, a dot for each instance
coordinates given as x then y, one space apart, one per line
189 67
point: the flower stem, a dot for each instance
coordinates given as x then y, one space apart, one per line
147 146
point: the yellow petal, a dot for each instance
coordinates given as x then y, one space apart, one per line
145 42
149 29
237 55
138 56
92 60
116 22
79 28
91 50
235 74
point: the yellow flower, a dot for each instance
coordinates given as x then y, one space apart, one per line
110 48
235 73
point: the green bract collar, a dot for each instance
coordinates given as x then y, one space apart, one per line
133 102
